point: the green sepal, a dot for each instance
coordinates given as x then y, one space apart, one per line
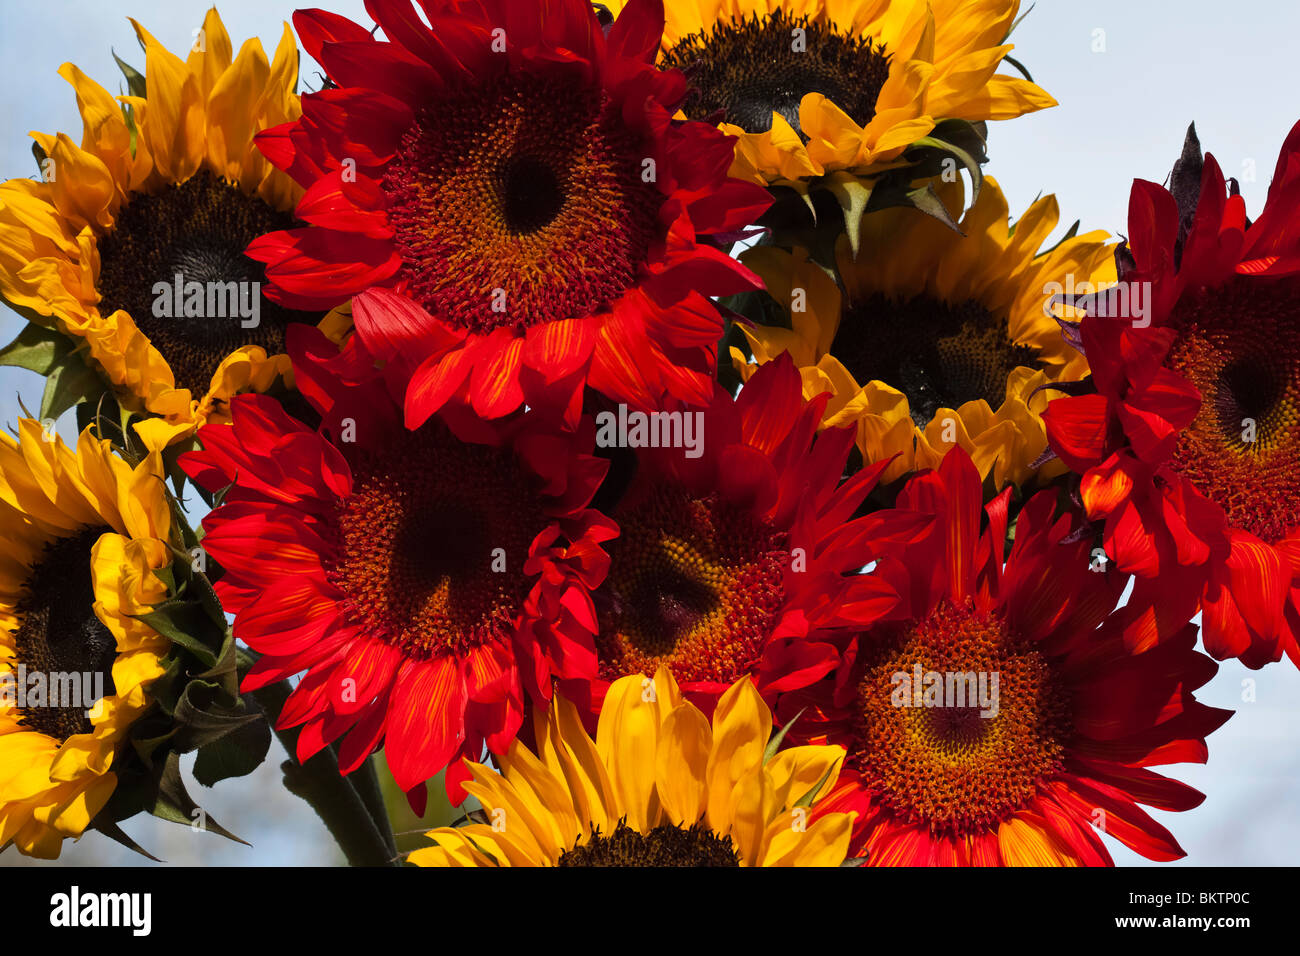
69 382
135 81
925 199
807 799
934 156
39 152
206 713
36 348
236 754
178 620
775 743
1069 234
160 791
854 197
114 832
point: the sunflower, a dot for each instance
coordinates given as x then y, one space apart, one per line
658 786
168 183
938 338
999 718
736 551
83 533
423 580
515 172
1188 442
813 87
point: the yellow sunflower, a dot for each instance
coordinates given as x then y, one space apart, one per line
938 337
658 786
812 87
83 534
167 182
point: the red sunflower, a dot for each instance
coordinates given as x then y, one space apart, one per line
738 548
1047 731
423 580
1188 438
513 168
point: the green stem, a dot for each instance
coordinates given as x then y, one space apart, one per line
366 780
358 825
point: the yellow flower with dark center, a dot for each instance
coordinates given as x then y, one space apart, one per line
812 87
937 338
659 786
83 533
166 183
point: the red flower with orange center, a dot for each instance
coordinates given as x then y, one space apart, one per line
1188 441
735 558
996 718
423 580
514 170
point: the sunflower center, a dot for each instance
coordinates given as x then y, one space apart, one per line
430 546
521 202
748 69
665 845
694 583
1238 346
939 355
65 648
532 195
197 230
957 721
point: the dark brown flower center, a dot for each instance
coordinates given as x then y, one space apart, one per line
695 583
521 202
945 742
431 543
663 846
66 651
1238 346
938 354
198 230
748 69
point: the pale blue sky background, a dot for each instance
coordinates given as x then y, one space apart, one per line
1124 110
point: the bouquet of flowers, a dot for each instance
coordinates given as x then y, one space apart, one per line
642 421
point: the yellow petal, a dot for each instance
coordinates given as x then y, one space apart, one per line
681 764
742 724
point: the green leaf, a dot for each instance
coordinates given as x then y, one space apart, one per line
181 621
166 689
37 349
205 718
172 467
226 671
111 830
173 802
70 382
237 754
